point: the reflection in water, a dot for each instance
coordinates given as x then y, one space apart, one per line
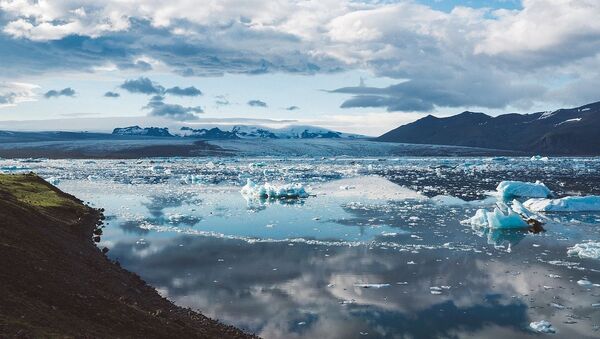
296 270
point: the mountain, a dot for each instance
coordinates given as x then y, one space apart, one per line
260 132
148 131
573 131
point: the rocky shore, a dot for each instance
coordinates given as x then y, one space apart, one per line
56 283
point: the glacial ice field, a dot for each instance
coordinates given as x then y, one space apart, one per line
373 248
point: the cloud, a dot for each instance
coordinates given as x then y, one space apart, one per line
188 91
13 93
221 100
110 94
143 85
67 92
257 103
292 108
158 108
518 53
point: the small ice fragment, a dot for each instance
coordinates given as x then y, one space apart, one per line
589 250
584 283
302 323
410 263
53 180
512 189
555 276
596 305
542 326
435 290
558 306
402 283
538 158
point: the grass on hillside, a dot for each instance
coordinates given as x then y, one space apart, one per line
32 190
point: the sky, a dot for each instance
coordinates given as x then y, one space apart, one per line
354 66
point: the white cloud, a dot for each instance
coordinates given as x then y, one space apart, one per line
482 57
541 26
13 93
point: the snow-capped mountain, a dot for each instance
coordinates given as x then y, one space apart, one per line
256 132
573 131
147 131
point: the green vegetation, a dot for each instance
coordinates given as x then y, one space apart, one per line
32 190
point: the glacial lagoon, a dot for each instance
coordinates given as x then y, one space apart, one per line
379 248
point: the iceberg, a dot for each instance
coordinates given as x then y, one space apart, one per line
542 326
503 217
270 191
589 250
514 189
589 203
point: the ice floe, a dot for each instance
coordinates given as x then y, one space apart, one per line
270 191
542 326
519 189
585 250
568 204
369 187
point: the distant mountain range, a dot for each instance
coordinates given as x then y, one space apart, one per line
573 131
237 132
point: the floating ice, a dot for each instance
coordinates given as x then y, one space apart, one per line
585 250
288 191
512 189
542 326
584 283
539 158
53 180
568 204
502 217
448 200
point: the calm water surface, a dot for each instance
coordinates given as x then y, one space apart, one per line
369 255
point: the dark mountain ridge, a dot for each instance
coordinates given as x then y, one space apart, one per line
573 131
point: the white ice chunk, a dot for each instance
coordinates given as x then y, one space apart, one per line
542 326
538 158
585 283
568 204
501 217
512 189
585 250
288 191
53 180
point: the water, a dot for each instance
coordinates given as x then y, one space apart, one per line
364 257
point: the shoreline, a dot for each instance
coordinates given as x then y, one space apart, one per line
57 282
